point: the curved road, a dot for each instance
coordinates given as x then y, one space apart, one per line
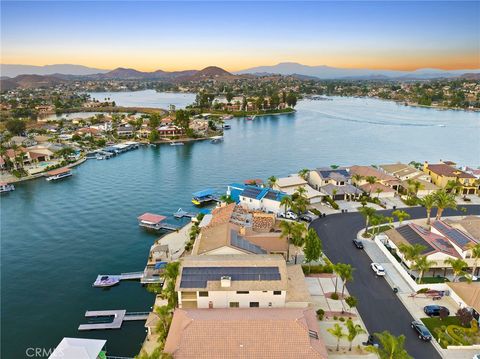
379 307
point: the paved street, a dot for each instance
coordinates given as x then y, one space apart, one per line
379 307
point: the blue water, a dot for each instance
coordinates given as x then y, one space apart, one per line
56 237
146 98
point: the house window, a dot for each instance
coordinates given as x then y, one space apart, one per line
242 292
254 304
234 304
203 294
277 292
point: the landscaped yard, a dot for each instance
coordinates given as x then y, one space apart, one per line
462 333
380 229
430 280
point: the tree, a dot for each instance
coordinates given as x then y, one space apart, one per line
391 347
15 127
303 173
298 237
287 229
154 136
371 180
271 181
453 186
368 213
337 332
351 301
411 252
401 215
274 100
182 119
354 330
475 249
345 272
464 316
422 264
154 121
444 200
357 178
313 246
428 202
229 96
65 153
291 99
286 202
457 265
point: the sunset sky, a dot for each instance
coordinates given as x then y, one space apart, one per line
237 35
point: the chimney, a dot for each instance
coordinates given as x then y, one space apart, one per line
225 282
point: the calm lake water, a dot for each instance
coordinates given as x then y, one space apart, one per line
56 237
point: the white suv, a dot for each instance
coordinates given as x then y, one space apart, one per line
378 269
289 215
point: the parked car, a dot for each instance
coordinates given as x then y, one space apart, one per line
358 243
434 310
378 269
288 215
306 218
422 330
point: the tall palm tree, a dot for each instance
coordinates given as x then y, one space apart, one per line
298 237
422 264
457 265
475 248
391 347
271 181
453 186
428 202
368 213
346 275
354 330
371 181
303 173
401 215
357 178
288 229
444 200
337 332
287 203
411 252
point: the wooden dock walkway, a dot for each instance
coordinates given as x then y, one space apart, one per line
131 276
119 316
181 213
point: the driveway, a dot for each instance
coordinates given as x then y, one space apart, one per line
378 306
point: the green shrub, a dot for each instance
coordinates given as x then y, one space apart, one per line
320 314
342 319
334 296
316 212
335 317
327 268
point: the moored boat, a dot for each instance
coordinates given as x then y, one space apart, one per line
6 187
227 127
58 174
216 139
176 143
103 281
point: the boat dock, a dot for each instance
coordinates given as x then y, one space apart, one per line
118 317
109 280
181 213
156 222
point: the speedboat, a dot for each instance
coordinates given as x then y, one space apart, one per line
103 281
176 143
5 187
216 139
227 127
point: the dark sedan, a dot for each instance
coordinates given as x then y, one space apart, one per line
358 243
422 330
434 310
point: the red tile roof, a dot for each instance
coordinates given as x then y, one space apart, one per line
152 218
448 171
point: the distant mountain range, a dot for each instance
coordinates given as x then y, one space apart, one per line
64 69
50 75
327 72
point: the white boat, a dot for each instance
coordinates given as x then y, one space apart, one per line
227 127
216 139
176 143
5 187
58 174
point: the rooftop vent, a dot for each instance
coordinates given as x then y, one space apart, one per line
225 281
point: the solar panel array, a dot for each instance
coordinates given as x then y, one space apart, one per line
239 242
460 238
413 237
326 173
443 244
197 277
251 192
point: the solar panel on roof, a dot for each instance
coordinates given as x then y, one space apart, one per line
197 277
242 243
251 192
460 238
413 237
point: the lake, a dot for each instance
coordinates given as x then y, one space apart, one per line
56 237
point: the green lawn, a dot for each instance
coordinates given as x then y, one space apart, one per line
435 322
430 280
380 229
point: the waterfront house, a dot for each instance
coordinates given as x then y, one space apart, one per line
254 333
231 281
125 130
335 183
403 171
170 131
369 171
18 157
291 184
78 348
259 199
442 173
468 224
378 190
22 141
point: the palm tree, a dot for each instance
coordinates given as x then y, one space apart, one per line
354 330
287 203
367 212
271 181
357 178
391 347
457 265
303 173
163 314
453 186
401 215
428 202
475 248
346 275
411 252
298 237
414 186
422 264
337 332
288 229
370 180
444 200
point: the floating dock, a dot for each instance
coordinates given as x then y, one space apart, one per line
156 222
109 280
181 213
118 317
